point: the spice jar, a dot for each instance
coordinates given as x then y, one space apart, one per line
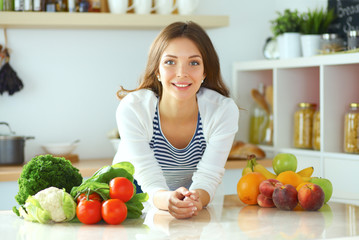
316 130
351 129
303 125
353 39
331 42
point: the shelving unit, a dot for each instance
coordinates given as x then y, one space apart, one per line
103 20
330 81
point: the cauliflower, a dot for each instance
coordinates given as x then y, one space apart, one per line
50 204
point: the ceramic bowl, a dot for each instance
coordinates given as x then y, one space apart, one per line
59 148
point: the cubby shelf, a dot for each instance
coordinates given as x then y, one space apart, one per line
330 81
65 20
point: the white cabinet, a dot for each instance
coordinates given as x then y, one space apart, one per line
330 81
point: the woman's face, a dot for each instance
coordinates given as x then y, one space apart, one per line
181 69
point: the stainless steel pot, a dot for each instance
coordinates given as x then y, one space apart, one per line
12 148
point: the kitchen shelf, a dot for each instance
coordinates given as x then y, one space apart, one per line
88 167
64 20
330 81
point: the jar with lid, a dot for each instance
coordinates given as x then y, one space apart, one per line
331 42
303 125
316 130
353 39
351 129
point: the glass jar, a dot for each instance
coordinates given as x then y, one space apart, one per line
303 125
258 125
353 39
258 121
316 130
331 42
351 129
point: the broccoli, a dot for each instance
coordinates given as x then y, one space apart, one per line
45 171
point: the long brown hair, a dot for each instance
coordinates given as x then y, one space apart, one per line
204 44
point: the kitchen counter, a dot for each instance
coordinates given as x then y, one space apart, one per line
88 167
225 218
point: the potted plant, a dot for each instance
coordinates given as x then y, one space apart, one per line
286 28
314 23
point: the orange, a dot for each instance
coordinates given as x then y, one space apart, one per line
290 177
301 185
248 187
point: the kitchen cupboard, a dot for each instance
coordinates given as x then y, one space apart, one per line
66 20
331 82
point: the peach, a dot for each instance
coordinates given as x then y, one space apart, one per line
267 187
264 201
311 197
285 197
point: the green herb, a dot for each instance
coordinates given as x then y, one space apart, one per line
317 21
289 21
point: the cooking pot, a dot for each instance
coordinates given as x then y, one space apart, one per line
12 148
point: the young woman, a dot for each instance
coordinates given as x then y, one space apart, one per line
178 126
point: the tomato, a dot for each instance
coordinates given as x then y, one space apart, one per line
89 211
121 188
92 196
114 211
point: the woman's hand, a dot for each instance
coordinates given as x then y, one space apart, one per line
183 203
194 197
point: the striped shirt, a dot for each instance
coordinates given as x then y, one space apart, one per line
178 165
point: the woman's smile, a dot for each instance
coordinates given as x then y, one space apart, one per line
181 85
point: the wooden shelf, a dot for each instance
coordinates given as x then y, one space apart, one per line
65 20
88 167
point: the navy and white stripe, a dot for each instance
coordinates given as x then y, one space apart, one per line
178 165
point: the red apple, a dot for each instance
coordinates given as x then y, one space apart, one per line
267 187
285 197
311 197
264 201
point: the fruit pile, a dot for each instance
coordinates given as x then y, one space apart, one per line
286 189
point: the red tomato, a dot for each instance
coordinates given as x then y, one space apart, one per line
114 211
121 188
89 212
92 196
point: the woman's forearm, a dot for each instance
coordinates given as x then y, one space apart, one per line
161 199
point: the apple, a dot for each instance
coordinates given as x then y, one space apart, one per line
326 185
284 162
311 197
264 201
285 197
267 187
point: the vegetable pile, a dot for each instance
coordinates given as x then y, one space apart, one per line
114 185
49 188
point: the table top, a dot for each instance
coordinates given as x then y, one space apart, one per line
225 218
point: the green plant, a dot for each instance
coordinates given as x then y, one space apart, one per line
316 21
288 21
45 171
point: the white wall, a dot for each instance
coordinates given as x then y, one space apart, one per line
71 76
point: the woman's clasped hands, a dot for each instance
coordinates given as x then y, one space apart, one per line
184 203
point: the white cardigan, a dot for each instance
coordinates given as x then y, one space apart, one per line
134 117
